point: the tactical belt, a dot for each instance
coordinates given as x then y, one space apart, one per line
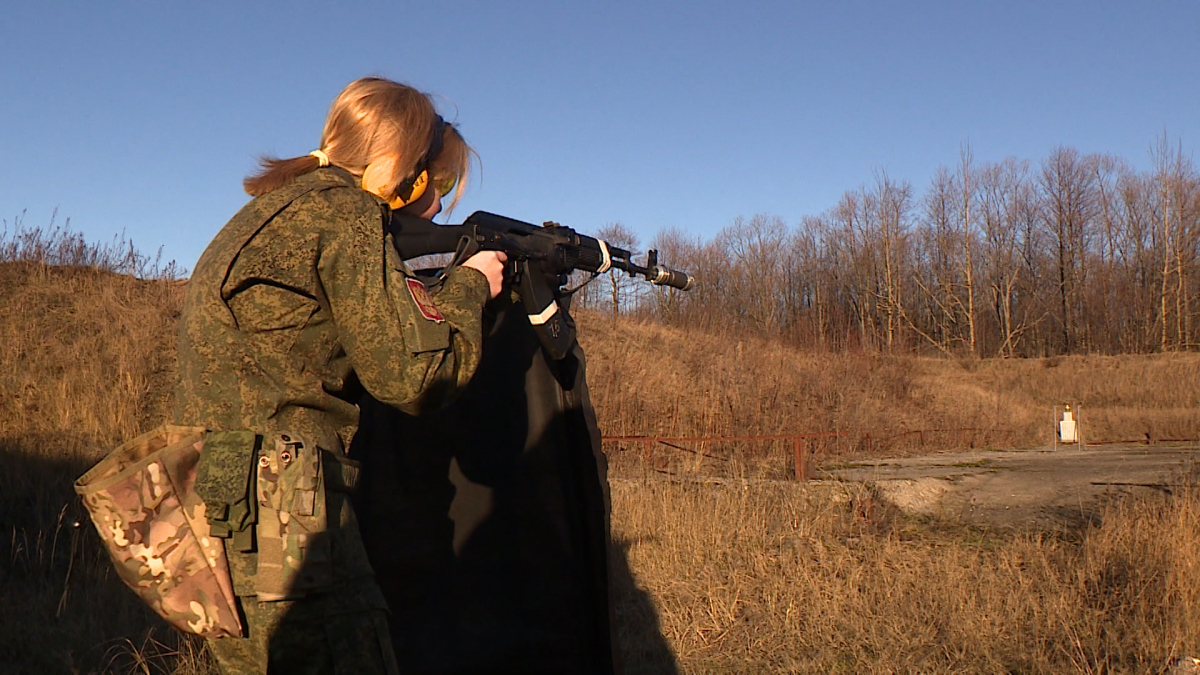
227 481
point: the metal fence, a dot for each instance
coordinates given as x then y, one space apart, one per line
805 446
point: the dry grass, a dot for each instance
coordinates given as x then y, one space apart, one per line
86 359
783 578
741 576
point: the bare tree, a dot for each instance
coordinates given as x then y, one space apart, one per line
937 269
893 203
1176 182
1006 203
622 290
1067 183
757 281
1135 249
966 231
851 242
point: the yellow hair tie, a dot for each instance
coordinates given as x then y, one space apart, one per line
322 158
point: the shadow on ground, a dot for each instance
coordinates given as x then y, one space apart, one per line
65 609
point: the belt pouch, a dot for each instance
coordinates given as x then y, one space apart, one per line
294 552
224 481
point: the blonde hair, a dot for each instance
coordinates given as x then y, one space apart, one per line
381 128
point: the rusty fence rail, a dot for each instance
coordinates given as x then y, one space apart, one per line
1145 440
799 442
965 435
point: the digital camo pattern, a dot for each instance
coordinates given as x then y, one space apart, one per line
141 501
300 302
223 479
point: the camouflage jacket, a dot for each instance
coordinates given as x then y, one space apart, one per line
298 305
300 300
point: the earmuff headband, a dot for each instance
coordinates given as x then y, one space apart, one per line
412 189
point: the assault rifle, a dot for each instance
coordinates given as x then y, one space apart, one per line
540 261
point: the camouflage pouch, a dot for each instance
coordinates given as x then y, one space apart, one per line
141 500
294 553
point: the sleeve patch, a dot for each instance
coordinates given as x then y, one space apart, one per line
424 303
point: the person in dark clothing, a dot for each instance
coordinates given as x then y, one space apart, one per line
487 522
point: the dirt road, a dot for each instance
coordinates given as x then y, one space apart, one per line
1017 488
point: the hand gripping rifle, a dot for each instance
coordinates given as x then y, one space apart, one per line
540 261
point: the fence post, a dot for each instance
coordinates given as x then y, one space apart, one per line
798 454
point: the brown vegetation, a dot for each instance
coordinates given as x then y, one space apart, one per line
86 360
782 579
654 380
744 576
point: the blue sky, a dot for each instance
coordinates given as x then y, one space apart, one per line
142 118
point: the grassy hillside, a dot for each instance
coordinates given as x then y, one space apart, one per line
647 379
740 577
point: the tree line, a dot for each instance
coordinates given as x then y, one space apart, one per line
1079 253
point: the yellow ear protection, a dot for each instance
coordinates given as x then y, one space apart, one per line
412 189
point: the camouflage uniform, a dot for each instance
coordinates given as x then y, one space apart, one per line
298 305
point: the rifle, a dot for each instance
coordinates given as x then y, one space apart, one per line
540 261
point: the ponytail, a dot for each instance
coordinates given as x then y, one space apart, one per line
275 173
